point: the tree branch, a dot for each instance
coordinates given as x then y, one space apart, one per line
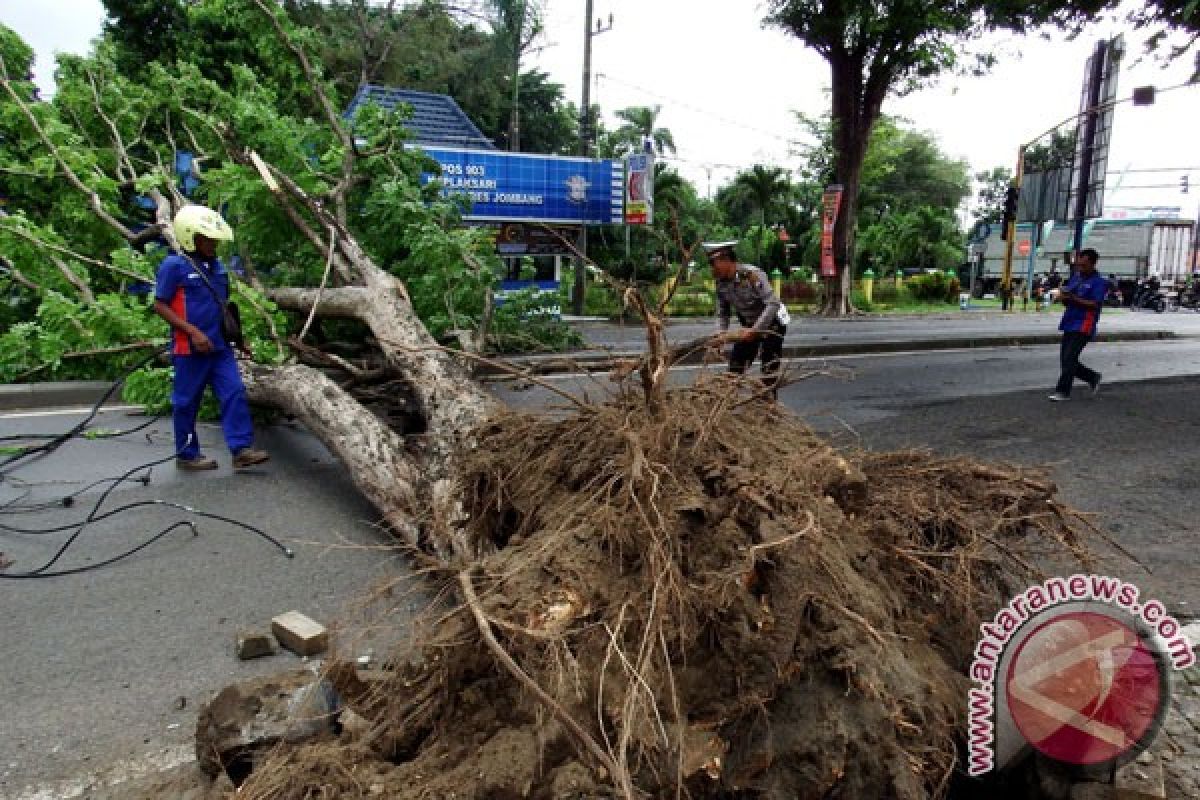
331 115
93 198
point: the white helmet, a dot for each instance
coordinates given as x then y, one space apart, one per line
192 220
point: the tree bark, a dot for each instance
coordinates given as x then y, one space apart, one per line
377 460
857 104
453 405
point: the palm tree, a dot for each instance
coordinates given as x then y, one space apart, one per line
766 188
638 126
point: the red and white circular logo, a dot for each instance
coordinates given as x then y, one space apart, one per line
1085 687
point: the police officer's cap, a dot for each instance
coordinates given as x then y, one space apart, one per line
714 249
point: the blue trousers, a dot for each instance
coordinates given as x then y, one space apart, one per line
192 374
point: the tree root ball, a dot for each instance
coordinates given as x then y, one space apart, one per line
706 599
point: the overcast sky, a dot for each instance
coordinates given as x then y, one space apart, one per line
728 88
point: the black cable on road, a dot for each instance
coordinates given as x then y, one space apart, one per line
58 441
95 515
41 573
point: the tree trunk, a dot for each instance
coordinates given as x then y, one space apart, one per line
376 459
411 481
857 103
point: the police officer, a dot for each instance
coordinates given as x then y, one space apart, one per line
745 290
190 291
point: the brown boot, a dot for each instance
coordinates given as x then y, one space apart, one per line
197 464
248 457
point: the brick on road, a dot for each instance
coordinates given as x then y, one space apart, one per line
300 634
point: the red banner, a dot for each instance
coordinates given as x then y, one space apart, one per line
831 202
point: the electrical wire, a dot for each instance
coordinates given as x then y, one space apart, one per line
58 441
66 501
40 573
53 442
95 515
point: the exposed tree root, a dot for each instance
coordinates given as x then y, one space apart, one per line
701 599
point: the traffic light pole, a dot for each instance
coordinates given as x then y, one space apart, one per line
1010 230
579 290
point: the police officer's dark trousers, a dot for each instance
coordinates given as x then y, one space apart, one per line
192 374
769 345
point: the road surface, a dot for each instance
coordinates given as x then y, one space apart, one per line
94 665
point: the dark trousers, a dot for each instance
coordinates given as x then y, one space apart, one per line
1069 352
769 346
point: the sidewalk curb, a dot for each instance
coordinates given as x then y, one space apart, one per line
26 396
23 396
582 361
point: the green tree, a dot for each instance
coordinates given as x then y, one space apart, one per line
768 190
549 124
516 24
146 31
1053 152
639 124
907 183
989 199
1163 20
874 49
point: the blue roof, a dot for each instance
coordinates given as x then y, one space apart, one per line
436 119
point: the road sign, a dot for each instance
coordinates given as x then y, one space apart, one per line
831 202
520 187
639 189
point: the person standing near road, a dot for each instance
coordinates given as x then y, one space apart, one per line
1083 295
190 292
744 289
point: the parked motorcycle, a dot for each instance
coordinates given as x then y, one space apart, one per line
1172 296
1189 297
1149 295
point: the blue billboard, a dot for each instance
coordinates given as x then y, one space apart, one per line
521 187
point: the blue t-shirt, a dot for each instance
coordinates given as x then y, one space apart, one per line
1083 320
180 286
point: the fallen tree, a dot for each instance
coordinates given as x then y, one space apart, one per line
673 592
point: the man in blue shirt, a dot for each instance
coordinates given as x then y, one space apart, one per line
1083 295
190 292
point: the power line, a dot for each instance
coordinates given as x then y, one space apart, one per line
695 109
1154 169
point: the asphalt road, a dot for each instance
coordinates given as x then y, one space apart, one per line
810 330
94 665
871 387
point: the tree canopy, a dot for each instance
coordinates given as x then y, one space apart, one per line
877 49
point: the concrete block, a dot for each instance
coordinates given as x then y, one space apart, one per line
251 644
1140 781
300 634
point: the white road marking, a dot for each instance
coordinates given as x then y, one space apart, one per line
64 412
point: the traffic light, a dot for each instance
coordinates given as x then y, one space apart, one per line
1011 196
1183 184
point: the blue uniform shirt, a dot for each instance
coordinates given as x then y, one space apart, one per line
180 286
1083 320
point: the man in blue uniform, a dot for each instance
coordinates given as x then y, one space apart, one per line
1083 295
190 292
744 289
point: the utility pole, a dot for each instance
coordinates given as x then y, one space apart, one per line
585 144
1088 148
514 125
